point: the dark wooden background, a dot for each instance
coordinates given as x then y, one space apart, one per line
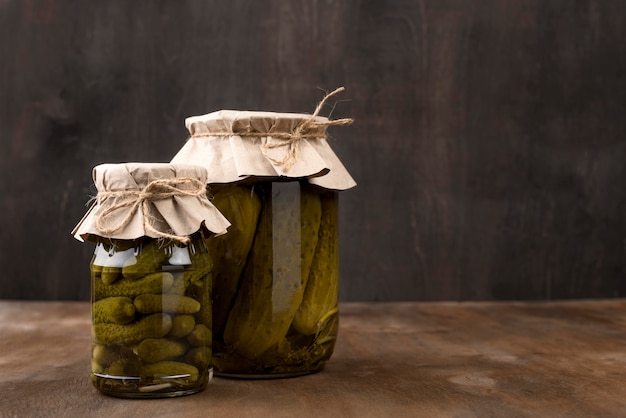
489 142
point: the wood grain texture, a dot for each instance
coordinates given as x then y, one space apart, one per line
488 144
435 359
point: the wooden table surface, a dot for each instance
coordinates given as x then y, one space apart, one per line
443 359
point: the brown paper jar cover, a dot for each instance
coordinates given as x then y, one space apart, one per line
179 214
230 144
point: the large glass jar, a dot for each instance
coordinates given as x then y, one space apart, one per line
276 179
275 299
151 317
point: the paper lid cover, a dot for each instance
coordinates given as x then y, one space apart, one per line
158 200
235 145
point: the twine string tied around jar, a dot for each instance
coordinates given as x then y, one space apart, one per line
304 130
159 189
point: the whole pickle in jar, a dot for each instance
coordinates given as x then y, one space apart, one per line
275 274
321 293
200 282
150 257
201 291
115 310
110 274
151 303
152 350
152 326
168 368
199 357
150 283
200 335
103 356
182 325
241 206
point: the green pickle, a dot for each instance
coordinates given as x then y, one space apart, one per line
278 312
152 350
114 310
151 334
242 207
182 325
320 298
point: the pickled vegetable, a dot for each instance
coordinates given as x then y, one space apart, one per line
150 303
241 206
146 333
104 356
201 291
284 318
150 258
273 279
321 293
152 350
153 326
169 368
200 336
115 310
150 283
199 356
182 325
110 274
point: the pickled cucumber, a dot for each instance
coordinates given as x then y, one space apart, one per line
182 325
150 258
117 368
152 326
151 303
104 356
110 274
311 216
152 350
168 368
199 357
202 261
241 206
200 335
179 286
202 292
202 268
114 310
150 283
144 355
321 293
275 273
127 364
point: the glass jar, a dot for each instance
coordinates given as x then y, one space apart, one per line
275 305
275 289
151 317
151 279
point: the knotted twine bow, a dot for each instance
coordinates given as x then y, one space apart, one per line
155 190
291 139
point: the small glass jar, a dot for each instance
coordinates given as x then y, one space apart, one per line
151 279
275 306
151 317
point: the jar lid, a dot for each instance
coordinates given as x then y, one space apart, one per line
236 145
157 200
